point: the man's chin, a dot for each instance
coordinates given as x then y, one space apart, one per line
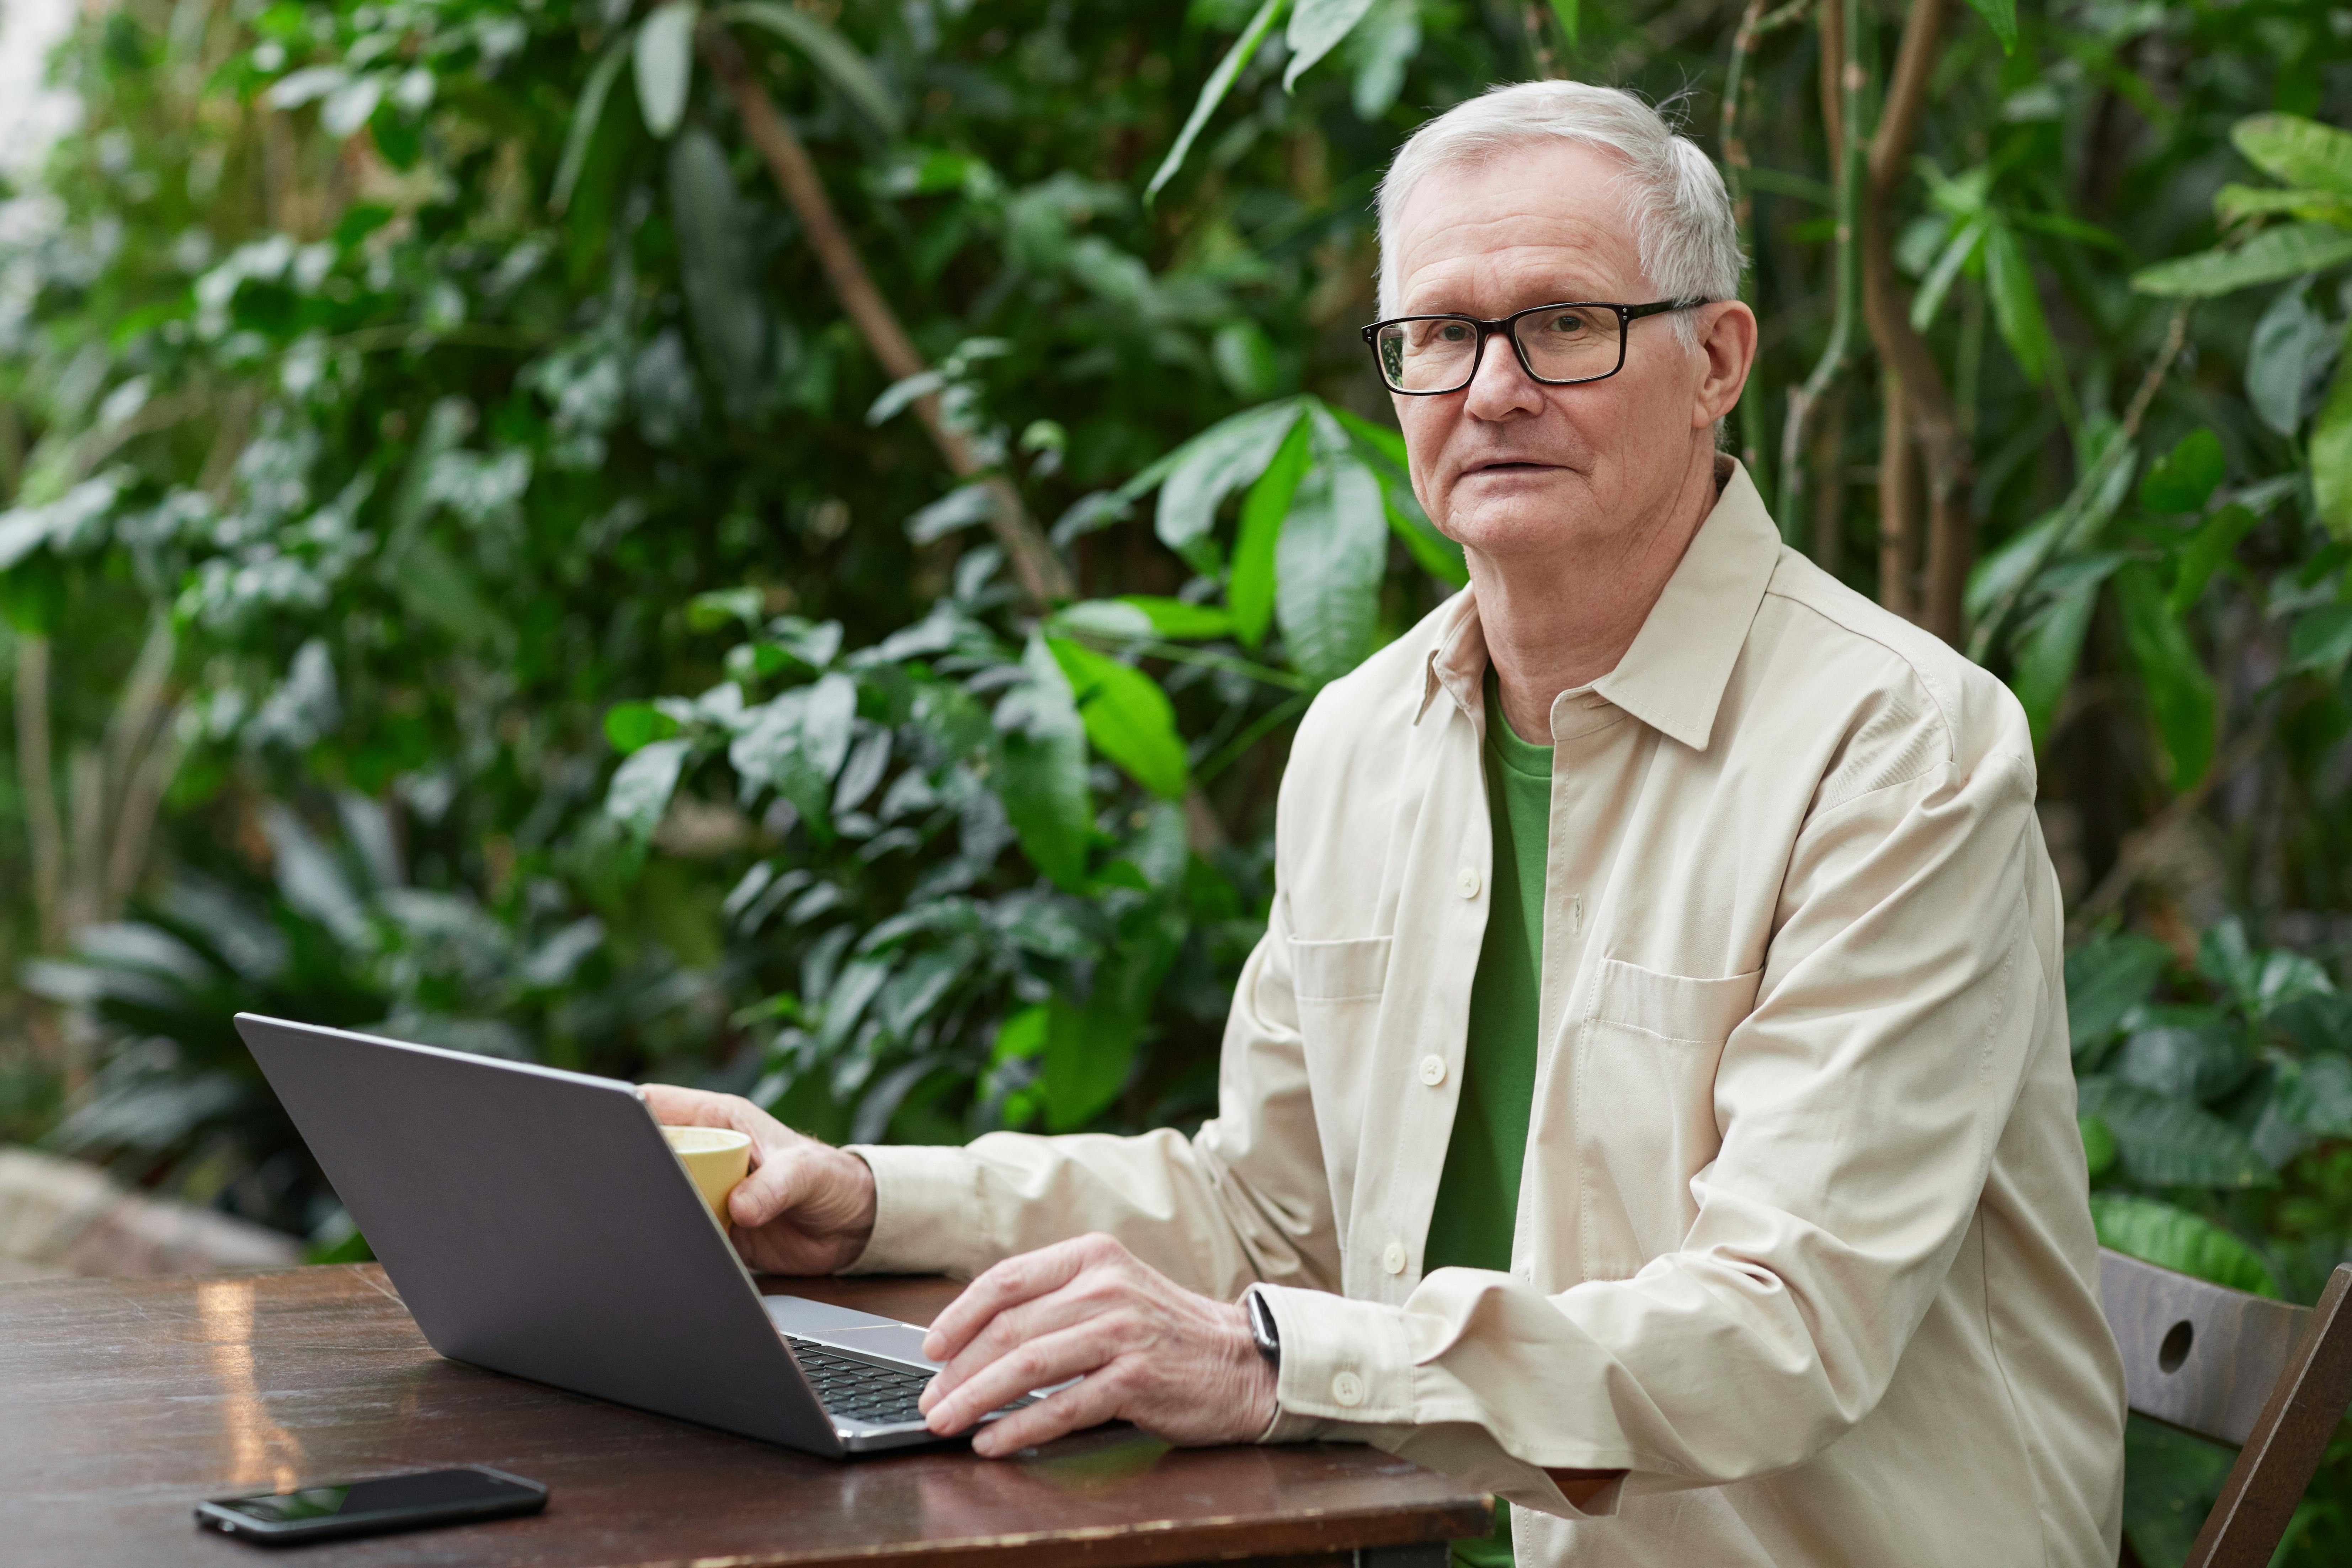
1526 514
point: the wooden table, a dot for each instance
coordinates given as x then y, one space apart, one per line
122 1402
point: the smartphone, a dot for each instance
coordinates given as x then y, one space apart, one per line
373 1506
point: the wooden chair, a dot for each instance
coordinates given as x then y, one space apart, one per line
2270 1378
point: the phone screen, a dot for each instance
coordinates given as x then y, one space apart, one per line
387 1498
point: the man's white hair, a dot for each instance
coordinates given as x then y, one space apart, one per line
1679 212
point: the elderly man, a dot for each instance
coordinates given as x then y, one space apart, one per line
1650 1098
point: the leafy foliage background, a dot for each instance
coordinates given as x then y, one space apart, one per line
466 573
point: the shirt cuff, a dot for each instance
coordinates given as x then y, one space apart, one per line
1341 1360
1348 1374
926 1218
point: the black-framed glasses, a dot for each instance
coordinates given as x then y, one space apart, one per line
1559 345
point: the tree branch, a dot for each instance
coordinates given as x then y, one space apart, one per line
1041 575
1753 24
1926 416
1837 356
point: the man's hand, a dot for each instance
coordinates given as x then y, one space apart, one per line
1179 1365
806 1208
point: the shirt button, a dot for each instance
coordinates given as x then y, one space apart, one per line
1347 1389
1392 1257
1433 1071
1467 883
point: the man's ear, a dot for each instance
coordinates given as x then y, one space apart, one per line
1727 339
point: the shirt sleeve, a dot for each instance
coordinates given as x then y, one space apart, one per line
1244 1199
1859 1102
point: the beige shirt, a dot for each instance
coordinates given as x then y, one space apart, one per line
1802 1240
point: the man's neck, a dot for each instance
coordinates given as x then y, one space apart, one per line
1558 621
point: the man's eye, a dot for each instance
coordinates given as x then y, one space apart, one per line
1565 326
1453 332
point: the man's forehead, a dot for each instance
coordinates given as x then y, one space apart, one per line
1542 216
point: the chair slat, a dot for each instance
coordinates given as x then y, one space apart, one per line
2197 1356
2277 1463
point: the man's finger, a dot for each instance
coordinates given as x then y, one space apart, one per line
1040 1363
1016 1279
1011 1329
677 1107
1088 1403
778 1181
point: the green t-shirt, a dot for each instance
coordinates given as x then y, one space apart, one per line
1479 1194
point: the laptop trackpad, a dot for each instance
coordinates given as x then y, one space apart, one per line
847 1328
900 1341
798 1315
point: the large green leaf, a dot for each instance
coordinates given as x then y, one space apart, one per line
2002 16
1383 452
643 784
2017 303
2043 666
2214 543
2320 639
2184 479
835 59
2331 450
1177 619
715 267
1127 717
2297 151
1090 1051
2107 978
2175 1238
1223 458
796 742
2193 1058
1316 28
2236 203
2180 697
2289 343
1382 48
1967 241
1249 593
664 64
1329 561
1570 21
1043 779
1212 92
2261 978
2318 1096
2171 1143
585 116
2270 256
632 727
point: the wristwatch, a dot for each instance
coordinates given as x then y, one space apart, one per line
1263 1332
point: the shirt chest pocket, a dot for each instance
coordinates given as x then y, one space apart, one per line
1646 1061
1350 970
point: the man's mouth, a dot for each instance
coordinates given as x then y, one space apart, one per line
1509 465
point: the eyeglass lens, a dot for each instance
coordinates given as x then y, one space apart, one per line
1563 344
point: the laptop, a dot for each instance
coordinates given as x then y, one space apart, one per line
536 1223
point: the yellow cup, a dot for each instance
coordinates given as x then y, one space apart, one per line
716 1158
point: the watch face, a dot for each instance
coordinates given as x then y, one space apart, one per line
1262 1329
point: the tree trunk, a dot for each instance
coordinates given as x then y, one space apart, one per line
1898 532
1928 417
1043 577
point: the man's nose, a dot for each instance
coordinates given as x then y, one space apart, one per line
1501 388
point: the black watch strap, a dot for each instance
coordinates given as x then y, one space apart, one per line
1262 1331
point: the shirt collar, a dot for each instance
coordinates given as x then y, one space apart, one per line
1673 676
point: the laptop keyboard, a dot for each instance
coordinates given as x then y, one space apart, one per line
863 1389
